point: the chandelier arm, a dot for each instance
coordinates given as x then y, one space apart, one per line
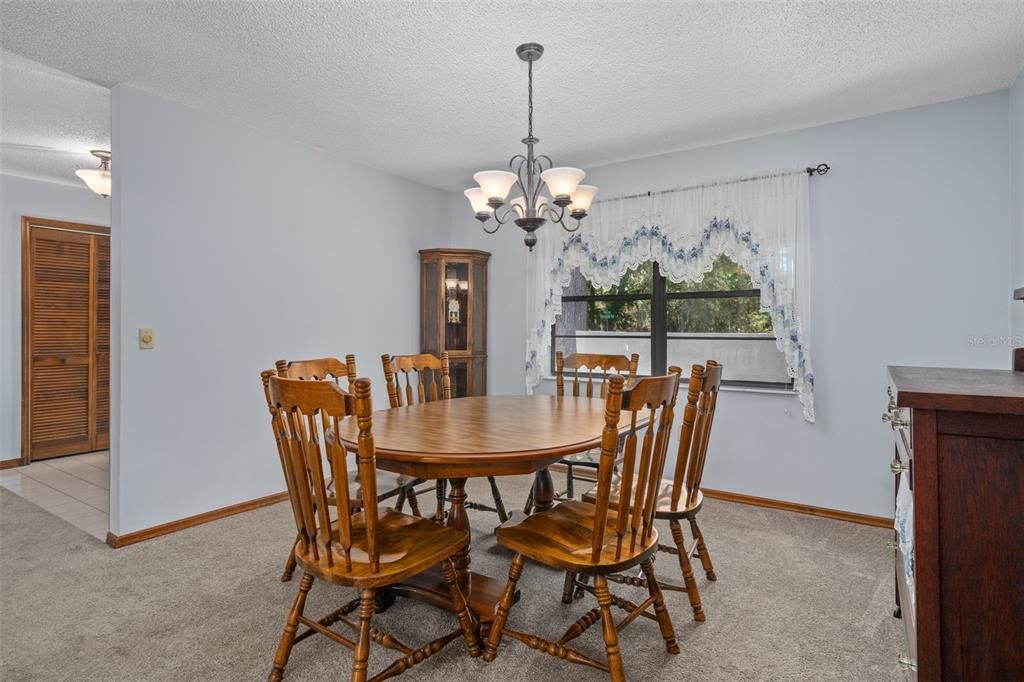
497 227
512 161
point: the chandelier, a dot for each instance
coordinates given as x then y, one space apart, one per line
98 179
529 172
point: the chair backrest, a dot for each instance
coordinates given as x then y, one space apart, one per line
604 365
698 415
320 369
305 412
653 399
433 381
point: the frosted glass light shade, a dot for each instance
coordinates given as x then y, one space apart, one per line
495 184
97 179
562 181
519 205
583 197
478 200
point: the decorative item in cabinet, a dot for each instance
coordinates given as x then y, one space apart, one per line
453 311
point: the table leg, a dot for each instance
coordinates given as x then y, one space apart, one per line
481 591
543 491
457 518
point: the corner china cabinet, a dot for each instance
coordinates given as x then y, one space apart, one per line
453 317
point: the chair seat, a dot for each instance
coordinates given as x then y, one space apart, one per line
590 458
562 536
408 545
387 484
665 509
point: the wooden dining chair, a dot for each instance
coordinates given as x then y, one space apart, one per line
366 547
331 369
580 365
680 497
596 539
432 382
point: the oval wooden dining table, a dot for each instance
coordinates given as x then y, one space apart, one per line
471 437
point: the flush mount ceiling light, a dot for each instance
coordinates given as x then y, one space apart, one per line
98 179
529 172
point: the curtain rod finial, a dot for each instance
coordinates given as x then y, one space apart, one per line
820 169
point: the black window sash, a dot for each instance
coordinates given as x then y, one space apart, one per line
659 335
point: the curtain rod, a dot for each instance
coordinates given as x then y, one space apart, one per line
820 169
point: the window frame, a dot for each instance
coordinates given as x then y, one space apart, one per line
659 336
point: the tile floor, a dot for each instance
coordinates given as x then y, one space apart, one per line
75 488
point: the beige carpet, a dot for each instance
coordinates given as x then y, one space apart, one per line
797 597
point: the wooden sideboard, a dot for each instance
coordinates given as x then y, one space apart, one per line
960 441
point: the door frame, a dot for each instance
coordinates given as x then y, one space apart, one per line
27 222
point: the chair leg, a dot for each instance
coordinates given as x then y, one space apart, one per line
400 502
664 620
498 504
684 565
284 648
414 505
289 566
442 485
569 588
611 635
702 550
528 507
579 589
362 650
568 482
502 607
469 625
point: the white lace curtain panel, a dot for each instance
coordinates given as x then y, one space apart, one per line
763 224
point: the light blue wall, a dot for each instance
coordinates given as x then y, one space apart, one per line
26 197
1017 202
910 267
241 247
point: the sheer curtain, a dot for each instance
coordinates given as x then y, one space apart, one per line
763 224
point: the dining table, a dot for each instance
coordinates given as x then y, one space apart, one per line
475 437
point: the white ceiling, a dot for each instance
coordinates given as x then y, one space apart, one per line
433 91
49 121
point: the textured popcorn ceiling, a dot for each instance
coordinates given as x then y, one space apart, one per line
49 121
433 91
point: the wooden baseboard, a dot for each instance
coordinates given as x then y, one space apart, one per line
10 463
118 541
825 512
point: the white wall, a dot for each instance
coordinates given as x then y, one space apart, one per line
39 199
1017 204
240 247
910 244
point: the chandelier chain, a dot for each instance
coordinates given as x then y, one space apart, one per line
529 67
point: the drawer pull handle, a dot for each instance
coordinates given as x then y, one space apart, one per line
895 421
897 467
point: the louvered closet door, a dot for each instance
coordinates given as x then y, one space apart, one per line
68 342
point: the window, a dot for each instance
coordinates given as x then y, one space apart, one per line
675 324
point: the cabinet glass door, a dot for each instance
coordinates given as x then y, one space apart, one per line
459 373
456 306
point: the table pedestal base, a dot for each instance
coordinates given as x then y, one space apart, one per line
431 588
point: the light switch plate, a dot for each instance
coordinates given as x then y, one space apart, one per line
146 338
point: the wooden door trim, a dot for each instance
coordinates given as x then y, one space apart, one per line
27 223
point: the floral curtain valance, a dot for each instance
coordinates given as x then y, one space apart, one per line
762 224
